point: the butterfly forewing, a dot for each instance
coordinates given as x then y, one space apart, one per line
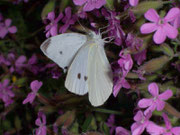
62 48
77 78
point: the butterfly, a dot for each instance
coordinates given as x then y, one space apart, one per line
84 59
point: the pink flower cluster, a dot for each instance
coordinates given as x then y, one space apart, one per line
125 65
68 19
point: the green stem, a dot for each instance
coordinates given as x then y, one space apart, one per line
106 111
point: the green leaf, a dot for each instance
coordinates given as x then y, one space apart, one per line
48 8
87 123
17 123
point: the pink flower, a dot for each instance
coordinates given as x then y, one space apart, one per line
176 21
140 57
6 28
90 5
141 123
122 131
111 123
68 20
133 2
35 86
125 63
52 27
41 122
169 129
120 83
157 101
160 25
154 129
6 93
114 29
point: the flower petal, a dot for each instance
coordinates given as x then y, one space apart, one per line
166 95
176 130
172 14
35 85
159 36
152 15
148 28
133 2
154 129
160 104
139 116
99 3
8 22
51 16
167 122
144 103
12 29
88 7
153 89
3 32
79 2
171 31
53 30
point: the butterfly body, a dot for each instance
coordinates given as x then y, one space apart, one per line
89 70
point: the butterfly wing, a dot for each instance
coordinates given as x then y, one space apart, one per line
76 80
99 75
62 48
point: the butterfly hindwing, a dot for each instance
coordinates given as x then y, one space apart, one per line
62 48
100 76
77 79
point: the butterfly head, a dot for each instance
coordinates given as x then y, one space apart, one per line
97 38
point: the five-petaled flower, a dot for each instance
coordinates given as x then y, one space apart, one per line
35 86
52 27
141 123
162 26
157 101
90 5
41 122
6 28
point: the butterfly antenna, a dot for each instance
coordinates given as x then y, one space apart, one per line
81 25
102 28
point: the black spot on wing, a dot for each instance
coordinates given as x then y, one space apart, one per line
61 52
85 78
46 44
79 76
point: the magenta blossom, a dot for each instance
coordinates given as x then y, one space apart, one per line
133 2
90 5
35 86
176 21
160 25
52 27
122 131
155 129
114 30
169 130
6 93
125 63
157 101
141 123
68 20
140 57
6 28
41 122
111 123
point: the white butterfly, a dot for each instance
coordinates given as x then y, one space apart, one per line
88 67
